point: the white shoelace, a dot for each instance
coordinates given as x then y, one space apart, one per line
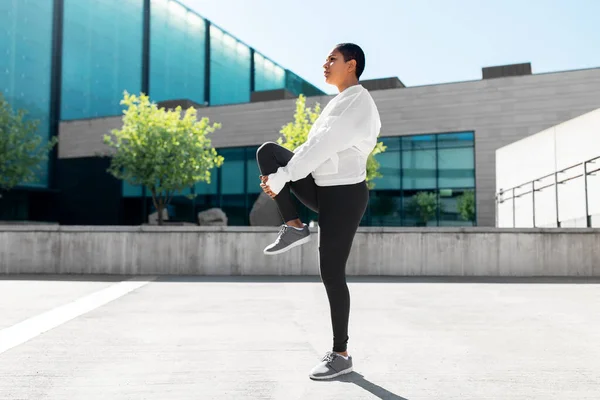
330 356
282 231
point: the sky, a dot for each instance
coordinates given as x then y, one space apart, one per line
421 42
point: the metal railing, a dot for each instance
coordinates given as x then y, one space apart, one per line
531 187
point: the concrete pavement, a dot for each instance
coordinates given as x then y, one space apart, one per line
257 338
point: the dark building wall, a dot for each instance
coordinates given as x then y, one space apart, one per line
14 205
502 71
88 194
28 204
382 83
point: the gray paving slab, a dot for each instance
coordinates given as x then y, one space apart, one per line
257 338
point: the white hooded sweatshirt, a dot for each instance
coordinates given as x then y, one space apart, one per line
338 144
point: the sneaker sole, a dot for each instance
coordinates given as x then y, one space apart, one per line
343 372
291 246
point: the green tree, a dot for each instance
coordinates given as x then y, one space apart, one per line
424 205
21 148
466 205
162 150
296 132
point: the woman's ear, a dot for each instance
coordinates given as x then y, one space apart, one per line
351 65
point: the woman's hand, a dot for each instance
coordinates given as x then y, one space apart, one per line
265 187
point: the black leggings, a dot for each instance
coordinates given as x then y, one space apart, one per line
340 210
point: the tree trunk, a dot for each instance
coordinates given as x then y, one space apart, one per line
160 209
156 200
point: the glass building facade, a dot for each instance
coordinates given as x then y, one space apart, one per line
101 56
73 59
442 165
268 75
26 62
230 68
177 57
97 49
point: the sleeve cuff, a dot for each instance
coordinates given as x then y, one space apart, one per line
277 181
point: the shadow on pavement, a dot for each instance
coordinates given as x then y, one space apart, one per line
375 390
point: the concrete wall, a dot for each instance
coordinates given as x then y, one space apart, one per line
557 148
500 111
238 251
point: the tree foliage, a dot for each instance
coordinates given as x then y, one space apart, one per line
164 150
21 148
466 205
424 205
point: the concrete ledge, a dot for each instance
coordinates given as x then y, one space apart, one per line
258 229
377 251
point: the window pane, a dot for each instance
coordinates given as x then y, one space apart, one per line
205 188
385 208
450 211
456 167
426 163
390 143
232 171
177 48
418 142
418 169
183 192
389 166
267 75
25 63
229 69
420 208
102 56
252 177
299 86
463 139
131 190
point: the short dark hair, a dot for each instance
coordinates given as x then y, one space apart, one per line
352 51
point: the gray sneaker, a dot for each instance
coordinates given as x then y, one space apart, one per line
331 365
288 238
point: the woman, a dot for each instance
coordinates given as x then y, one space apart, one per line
327 173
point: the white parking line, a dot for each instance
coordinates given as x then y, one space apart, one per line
32 327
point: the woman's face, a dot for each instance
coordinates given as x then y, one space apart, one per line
336 70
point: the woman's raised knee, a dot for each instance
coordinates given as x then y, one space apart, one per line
265 148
